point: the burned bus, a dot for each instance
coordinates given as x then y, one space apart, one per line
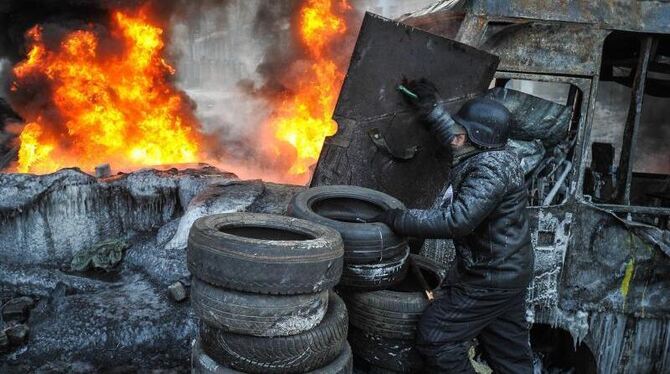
588 86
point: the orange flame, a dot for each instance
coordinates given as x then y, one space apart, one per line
119 109
304 119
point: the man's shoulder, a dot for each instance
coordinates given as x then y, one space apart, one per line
501 163
499 158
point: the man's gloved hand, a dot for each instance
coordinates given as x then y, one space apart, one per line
435 115
388 217
427 93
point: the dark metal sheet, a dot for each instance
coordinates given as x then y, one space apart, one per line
555 48
387 50
369 104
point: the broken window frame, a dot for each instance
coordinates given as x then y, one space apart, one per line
472 31
631 130
632 126
585 86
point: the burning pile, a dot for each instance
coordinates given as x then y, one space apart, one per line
95 95
102 106
303 119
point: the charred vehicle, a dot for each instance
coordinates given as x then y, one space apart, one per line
588 85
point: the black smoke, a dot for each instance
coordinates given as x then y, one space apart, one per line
59 17
286 59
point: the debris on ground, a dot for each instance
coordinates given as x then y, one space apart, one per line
104 255
17 334
177 291
4 342
17 309
103 171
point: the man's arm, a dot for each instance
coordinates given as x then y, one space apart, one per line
442 125
479 193
439 121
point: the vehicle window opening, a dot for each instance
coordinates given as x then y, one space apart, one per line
552 91
547 162
629 160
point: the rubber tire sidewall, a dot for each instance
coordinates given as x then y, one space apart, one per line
270 355
397 355
364 243
201 363
392 314
256 314
279 267
371 277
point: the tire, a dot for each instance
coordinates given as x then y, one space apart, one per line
395 355
378 370
343 364
201 363
263 253
310 350
254 314
378 276
338 206
395 313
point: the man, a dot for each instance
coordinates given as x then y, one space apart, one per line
486 217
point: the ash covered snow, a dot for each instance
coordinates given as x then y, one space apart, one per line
124 318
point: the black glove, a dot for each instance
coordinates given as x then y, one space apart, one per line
388 217
437 118
427 93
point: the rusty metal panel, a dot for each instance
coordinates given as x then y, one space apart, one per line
380 142
624 269
555 48
627 15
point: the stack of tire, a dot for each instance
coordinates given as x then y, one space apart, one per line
383 323
375 257
262 290
384 301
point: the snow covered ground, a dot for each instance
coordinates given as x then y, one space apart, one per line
124 318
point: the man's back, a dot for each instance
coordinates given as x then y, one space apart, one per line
497 253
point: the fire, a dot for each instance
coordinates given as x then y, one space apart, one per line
303 120
103 107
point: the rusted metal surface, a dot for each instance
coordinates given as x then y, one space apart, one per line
538 47
555 48
446 23
612 267
633 122
630 15
380 142
472 30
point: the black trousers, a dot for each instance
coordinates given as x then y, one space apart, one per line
495 317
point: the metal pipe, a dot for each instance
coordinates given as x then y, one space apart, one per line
559 183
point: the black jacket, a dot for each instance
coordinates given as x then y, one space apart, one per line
486 218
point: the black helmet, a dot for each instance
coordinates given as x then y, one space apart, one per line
486 121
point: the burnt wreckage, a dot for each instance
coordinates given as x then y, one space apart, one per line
586 82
